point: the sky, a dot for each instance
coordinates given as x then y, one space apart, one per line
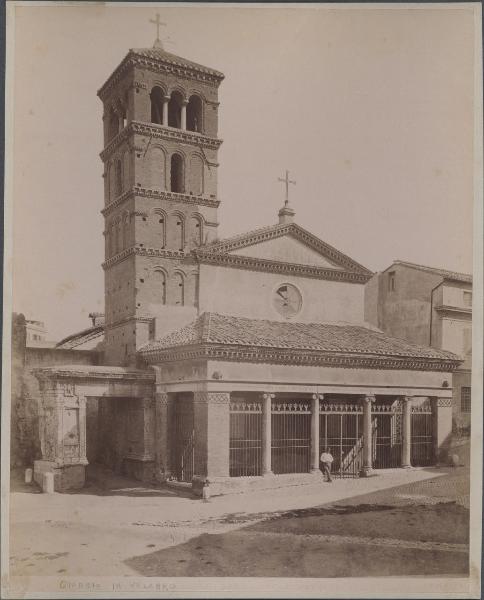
370 109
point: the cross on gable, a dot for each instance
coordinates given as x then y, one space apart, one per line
287 181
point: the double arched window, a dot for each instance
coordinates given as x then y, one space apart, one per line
195 114
156 98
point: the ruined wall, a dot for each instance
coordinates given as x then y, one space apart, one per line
24 436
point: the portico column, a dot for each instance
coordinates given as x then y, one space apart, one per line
267 434
164 119
211 411
406 431
315 434
184 114
367 436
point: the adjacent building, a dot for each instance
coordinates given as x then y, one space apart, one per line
432 307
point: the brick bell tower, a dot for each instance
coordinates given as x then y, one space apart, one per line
160 193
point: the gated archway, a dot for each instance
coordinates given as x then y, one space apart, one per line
387 435
183 461
291 437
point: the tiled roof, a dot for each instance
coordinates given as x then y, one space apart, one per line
217 329
82 337
451 275
172 59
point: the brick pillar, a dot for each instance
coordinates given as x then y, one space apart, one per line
406 431
442 427
164 120
267 434
163 406
315 434
367 436
212 434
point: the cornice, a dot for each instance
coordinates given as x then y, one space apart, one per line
161 132
445 308
294 230
295 357
52 373
155 252
237 261
206 76
159 195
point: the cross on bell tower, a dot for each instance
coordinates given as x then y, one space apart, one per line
286 214
158 24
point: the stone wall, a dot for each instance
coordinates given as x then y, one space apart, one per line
24 432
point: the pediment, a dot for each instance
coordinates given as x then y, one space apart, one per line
284 247
289 250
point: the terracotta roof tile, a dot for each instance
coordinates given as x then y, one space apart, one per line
217 329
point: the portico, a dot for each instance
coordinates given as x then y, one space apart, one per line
264 423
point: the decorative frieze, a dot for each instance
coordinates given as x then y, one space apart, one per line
444 402
283 268
137 251
296 357
211 397
162 132
164 195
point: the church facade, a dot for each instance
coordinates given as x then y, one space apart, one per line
230 363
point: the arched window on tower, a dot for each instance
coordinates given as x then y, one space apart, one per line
195 114
179 233
196 231
156 98
176 174
126 231
160 220
160 285
119 178
174 110
113 124
179 289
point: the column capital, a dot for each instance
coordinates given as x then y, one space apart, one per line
368 399
406 398
166 98
266 396
184 102
318 396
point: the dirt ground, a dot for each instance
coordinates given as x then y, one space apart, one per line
410 530
405 522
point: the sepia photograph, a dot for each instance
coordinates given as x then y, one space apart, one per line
242 341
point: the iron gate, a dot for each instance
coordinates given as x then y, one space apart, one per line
387 435
341 430
422 436
184 440
291 437
245 449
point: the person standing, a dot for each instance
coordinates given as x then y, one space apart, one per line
327 461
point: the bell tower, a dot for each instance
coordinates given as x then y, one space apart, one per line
160 193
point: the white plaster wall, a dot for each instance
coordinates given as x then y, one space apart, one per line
287 249
453 334
454 296
249 294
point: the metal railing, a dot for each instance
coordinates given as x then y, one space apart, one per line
291 437
245 446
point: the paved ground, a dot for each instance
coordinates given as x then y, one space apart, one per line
400 522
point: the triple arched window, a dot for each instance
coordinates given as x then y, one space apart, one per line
174 110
